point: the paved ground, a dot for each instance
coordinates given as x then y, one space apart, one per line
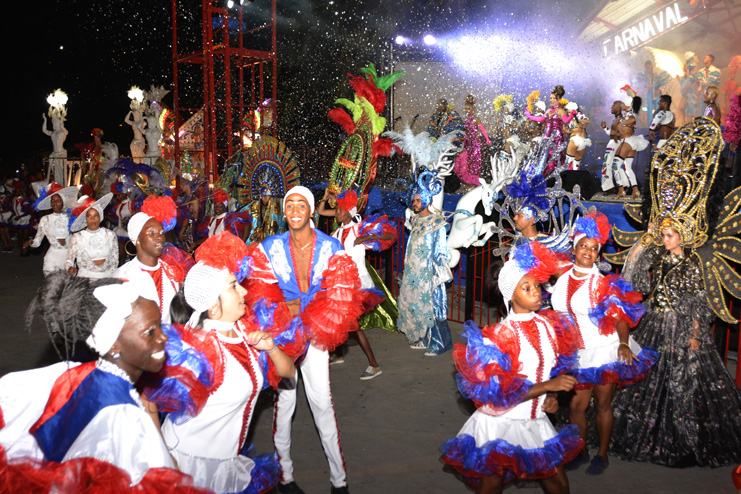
391 426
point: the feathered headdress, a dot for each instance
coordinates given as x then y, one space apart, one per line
221 196
161 208
593 225
348 201
533 259
426 187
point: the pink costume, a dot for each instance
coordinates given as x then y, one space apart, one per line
554 133
468 163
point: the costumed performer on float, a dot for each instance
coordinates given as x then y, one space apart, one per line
444 121
468 163
157 265
604 309
267 217
512 372
307 272
93 252
578 142
630 145
357 235
663 121
423 301
236 358
554 120
73 427
609 170
54 226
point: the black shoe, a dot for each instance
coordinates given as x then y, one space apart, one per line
598 465
290 488
339 490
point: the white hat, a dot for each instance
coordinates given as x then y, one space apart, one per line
68 194
302 191
117 299
98 205
509 276
136 223
202 287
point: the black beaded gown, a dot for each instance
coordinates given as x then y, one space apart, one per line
688 411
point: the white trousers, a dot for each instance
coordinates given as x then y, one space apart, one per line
315 373
608 182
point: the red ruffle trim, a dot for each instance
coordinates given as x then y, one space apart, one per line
608 377
607 287
205 342
176 262
334 312
506 340
547 265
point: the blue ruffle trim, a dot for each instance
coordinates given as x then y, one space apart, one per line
480 355
497 455
564 364
289 335
616 299
170 390
265 474
627 374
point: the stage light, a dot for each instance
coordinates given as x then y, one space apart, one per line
429 39
401 40
229 4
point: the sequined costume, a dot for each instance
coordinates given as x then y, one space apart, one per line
423 302
553 132
267 219
509 435
468 163
688 410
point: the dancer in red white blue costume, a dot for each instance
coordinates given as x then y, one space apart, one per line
309 273
217 364
157 265
73 427
512 371
604 309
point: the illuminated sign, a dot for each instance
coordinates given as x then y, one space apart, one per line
650 27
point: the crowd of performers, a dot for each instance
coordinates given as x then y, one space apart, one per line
208 310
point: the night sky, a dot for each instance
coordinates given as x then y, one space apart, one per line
95 50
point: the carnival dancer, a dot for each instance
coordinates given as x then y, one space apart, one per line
609 171
732 135
663 121
712 111
307 272
357 236
123 208
688 411
578 142
237 357
222 220
89 416
157 265
554 120
423 302
512 372
631 143
54 226
604 309
23 216
444 121
468 163
93 252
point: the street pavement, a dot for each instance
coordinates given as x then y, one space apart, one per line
391 427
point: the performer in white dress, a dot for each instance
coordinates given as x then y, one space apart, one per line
604 309
54 226
93 252
151 267
206 441
88 416
512 371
